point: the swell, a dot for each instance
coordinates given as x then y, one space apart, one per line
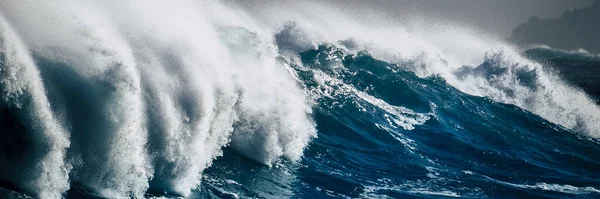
474 64
458 145
385 132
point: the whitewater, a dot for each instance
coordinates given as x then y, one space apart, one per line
136 99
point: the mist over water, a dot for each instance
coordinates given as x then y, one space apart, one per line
138 98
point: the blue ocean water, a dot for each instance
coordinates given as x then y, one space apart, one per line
211 105
461 145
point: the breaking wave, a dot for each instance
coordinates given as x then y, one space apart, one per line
137 99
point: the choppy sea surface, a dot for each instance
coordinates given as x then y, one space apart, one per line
208 106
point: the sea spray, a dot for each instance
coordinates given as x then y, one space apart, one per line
149 111
34 141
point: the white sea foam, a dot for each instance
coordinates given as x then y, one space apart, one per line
151 92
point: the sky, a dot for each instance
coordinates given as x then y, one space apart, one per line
497 17
493 16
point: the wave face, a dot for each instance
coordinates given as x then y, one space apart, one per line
202 100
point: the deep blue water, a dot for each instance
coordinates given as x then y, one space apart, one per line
468 147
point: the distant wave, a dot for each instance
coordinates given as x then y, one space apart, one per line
553 53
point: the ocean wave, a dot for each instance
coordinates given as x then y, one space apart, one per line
200 99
